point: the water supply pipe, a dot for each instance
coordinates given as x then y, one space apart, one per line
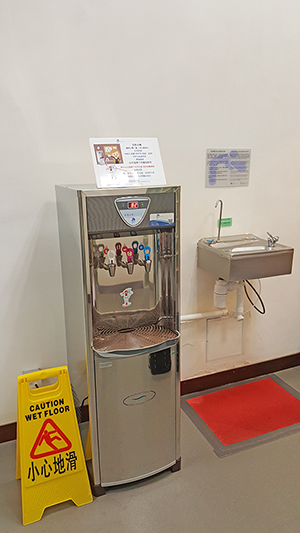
221 290
239 300
208 314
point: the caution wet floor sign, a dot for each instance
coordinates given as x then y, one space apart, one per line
50 458
45 444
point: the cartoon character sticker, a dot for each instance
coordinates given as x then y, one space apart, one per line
108 154
126 295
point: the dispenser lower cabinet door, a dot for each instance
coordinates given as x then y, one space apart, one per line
136 403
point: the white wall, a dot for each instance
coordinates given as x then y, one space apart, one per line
195 74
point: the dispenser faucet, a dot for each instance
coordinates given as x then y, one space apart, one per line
271 240
220 218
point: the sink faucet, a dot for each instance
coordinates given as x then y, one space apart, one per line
271 240
220 218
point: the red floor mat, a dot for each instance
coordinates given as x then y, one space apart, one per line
248 410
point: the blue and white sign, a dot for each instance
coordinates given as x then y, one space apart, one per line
161 219
227 168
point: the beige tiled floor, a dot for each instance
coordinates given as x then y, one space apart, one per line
255 491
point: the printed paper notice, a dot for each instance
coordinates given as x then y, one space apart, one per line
227 168
127 162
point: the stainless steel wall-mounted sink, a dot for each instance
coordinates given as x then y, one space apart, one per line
244 256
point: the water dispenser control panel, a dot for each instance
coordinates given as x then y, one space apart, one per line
132 210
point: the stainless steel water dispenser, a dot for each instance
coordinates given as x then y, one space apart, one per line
120 267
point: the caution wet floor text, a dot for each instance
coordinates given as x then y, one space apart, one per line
50 458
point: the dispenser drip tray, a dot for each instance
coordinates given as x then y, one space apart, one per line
145 339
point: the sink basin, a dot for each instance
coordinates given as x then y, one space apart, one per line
244 256
241 249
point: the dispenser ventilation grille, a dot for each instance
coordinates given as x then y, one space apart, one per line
109 340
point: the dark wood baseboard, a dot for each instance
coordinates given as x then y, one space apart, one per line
9 431
233 375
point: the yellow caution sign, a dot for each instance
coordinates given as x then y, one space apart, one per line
50 459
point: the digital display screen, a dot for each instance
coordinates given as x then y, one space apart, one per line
133 205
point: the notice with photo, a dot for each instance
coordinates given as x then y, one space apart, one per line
127 162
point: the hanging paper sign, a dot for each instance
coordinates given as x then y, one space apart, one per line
127 162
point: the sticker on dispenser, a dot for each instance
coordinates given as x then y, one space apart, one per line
225 222
107 364
126 295
161 219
